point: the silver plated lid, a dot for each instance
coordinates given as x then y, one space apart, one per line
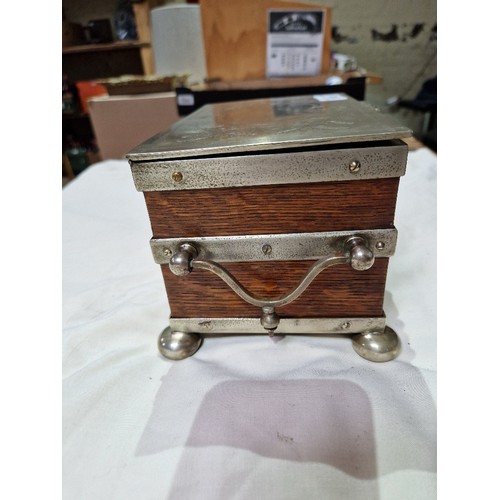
268 124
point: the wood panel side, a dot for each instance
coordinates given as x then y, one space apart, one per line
339 291
291 208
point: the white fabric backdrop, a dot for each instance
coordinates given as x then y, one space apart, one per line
246 417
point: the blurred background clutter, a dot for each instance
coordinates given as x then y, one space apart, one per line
132 68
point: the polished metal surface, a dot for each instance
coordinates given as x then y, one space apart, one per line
377 346
287 326
269 320
177 345
263 124
372 161
180 263
264 247
361 257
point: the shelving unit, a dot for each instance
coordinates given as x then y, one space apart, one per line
105 60
98 47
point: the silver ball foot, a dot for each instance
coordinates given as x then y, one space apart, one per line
377 346
178 345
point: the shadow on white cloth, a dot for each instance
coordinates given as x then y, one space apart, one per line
328 419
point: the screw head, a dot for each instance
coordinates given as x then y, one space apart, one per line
167 252
267 249
380 245
354 166
345 325
177 176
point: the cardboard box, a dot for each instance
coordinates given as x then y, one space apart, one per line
122 122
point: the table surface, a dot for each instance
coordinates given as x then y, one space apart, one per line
246 417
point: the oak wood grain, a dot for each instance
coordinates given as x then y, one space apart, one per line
329 206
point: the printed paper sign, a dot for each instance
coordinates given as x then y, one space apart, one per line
294 42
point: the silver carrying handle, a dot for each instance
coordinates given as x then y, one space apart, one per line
356 252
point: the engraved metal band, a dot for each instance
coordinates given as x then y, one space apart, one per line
287 326
275 247
270 169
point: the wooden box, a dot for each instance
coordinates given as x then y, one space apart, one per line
275 216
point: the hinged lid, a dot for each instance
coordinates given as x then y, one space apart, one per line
269 124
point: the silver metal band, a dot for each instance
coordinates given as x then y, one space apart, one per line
275 247
268 169
287 326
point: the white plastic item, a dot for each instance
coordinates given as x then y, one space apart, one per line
177 41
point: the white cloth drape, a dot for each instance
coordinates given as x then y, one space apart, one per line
246 417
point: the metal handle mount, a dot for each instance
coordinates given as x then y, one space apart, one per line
356 252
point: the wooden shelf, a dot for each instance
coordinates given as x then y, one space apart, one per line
90 62
101 47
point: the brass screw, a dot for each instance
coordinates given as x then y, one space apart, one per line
177 177
267 249
354 166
